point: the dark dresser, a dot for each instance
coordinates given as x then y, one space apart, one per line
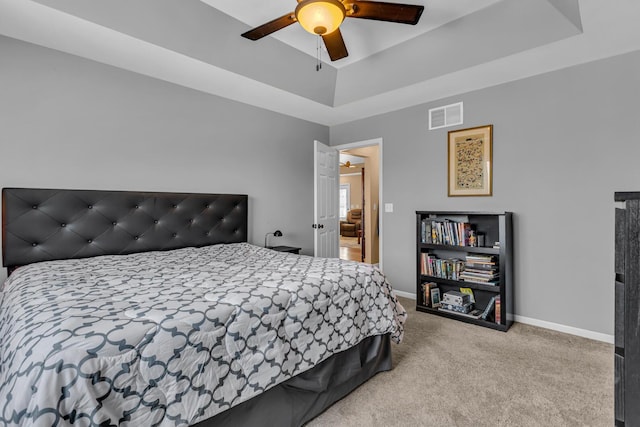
627 309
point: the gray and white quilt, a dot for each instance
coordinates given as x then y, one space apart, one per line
172 338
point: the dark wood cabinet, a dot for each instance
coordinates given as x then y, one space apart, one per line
444 254
627 310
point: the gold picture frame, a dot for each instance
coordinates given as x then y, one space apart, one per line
470 167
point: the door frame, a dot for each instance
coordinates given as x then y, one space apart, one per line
369 143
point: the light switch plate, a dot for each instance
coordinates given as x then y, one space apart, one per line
388 207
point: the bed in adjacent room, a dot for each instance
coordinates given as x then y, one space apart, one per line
128 308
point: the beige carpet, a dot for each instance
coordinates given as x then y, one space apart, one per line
349 242
449 373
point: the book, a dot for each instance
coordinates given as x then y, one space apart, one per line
474 314
470 292
425 232
497 315
430 265
492 279
487 274
479 279
481 259
466 232
449 232
480 269
486 266
424 263
426 292
489 308
465 308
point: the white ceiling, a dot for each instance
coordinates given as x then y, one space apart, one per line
148 39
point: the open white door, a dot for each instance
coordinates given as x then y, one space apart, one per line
326 185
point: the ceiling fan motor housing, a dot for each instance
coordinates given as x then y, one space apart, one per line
320 16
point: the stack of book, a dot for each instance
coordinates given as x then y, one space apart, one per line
459 303
480 269
444 268
446 233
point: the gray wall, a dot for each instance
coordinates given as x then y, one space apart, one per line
564 142
67 122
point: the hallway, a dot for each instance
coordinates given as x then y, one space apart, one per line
350 249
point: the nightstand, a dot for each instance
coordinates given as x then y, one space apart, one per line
289 249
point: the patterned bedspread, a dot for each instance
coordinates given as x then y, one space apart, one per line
172 338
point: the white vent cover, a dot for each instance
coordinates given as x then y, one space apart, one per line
449 115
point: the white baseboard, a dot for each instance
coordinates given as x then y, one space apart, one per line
543 324
598 336
405 294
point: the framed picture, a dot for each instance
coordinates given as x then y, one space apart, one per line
470 162
435 297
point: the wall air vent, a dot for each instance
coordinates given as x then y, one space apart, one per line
442 117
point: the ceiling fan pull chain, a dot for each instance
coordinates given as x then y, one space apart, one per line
318 53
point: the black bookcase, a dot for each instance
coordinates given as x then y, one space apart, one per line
451 245
627 310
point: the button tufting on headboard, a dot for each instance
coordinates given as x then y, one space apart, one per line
84 223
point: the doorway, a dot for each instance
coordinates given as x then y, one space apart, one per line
363 173
351 203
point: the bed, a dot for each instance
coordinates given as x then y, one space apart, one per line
137 308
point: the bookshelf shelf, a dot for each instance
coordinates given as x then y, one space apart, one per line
447 254
468 249
454 316
461 283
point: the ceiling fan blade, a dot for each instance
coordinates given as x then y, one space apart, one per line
382 11
270 27
335 45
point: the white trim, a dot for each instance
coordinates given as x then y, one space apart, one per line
368 143
359 144
598 336
405 294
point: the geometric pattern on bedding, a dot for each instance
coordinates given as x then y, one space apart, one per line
172 338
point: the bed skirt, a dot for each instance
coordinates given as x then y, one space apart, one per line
303 397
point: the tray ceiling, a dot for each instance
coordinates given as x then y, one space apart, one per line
459 45
363 38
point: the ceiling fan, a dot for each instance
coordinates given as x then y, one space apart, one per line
323 18
348 164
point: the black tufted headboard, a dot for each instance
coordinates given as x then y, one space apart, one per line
45 224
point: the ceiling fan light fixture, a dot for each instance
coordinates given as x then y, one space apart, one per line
320 16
